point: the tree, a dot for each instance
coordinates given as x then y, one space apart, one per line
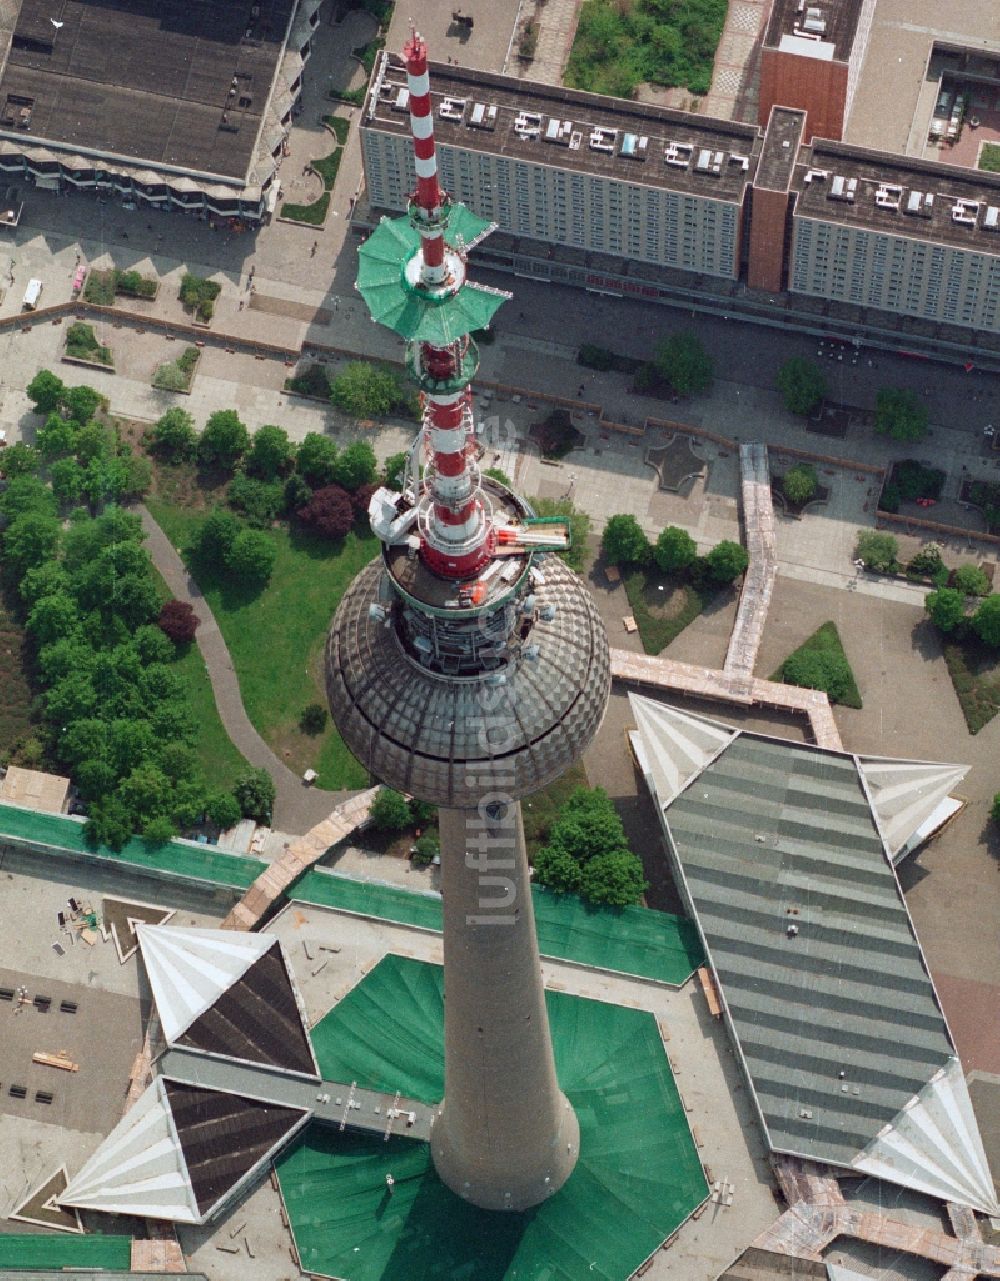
152 645
19 460
82 403
45 391
557 870
364 390
222 810
53 617
56 438
313 719
26 494
986 621
799 483
579 528
426 849
682 359
109 823
296 493
946 608
361 500
47 579
615 879
173 435
726 561
675 549
216 537
390 811
271 453
66 478
587 825
178 621
224 440
971 580
251 557
818 669
995 809
802 385
160 830
94 440
328 512
878 551
28 541
393 468
624 542
316 460
260 501
355 466
900 415
255 793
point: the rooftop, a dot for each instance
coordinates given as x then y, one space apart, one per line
185 87
573 130
875 191
826 25
781 148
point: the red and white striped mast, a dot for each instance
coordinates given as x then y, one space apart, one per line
457 536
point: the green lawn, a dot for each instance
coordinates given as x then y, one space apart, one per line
989 157
276 637
826 641
661 616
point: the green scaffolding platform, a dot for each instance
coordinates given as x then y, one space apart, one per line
53 1251
630 940
638 1178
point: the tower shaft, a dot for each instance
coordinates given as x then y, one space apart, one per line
505 1136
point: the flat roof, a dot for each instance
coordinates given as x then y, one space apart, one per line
781 149
572 130
807 929
179 83
964 211
815 22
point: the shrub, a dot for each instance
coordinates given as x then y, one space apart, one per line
198 295
360 500
216 537
915 480
800 483
364 390
986 621
178 621
313 719
82 344
726 561
946 608
624 541
251 557
393 468
816 669
499 475
878 551
927 561
675 550
426 849
328 512
390 811
260 501
971 580
176 375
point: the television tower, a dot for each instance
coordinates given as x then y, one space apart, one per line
469 668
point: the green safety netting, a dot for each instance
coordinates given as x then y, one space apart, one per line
632 940
637 1179
52 1251
62 834
393 302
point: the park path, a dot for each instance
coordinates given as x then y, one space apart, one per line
297 808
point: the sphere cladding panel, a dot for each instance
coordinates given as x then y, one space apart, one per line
450 740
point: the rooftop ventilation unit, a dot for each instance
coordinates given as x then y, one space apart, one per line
576 139
603 139
402 102
483 115
452 108
920 204
709 161
634 146
816 175
737 159
888 195
559 131
991 222
965 212
528 124
678 154
843 189
814 22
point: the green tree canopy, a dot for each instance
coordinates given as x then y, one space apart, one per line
251 557
879 551
390 811
224 440
615 879
46 391
255 794
66 478
20 460
726 561
802 385
971 580
819 669
392 469
900 414
364 390
82 403
986 621
216 537
355 466
316 460
682 359
271 453
56 438
946 608
675 549
800 483
28 541
624 542
52 618
588 830
173 435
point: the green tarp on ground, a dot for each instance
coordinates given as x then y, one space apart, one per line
50 1251
631 940
637 1179
192 862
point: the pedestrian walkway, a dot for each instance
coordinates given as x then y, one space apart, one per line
297 807
758 582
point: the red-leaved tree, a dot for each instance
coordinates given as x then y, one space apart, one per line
360 499
178 621
329 512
